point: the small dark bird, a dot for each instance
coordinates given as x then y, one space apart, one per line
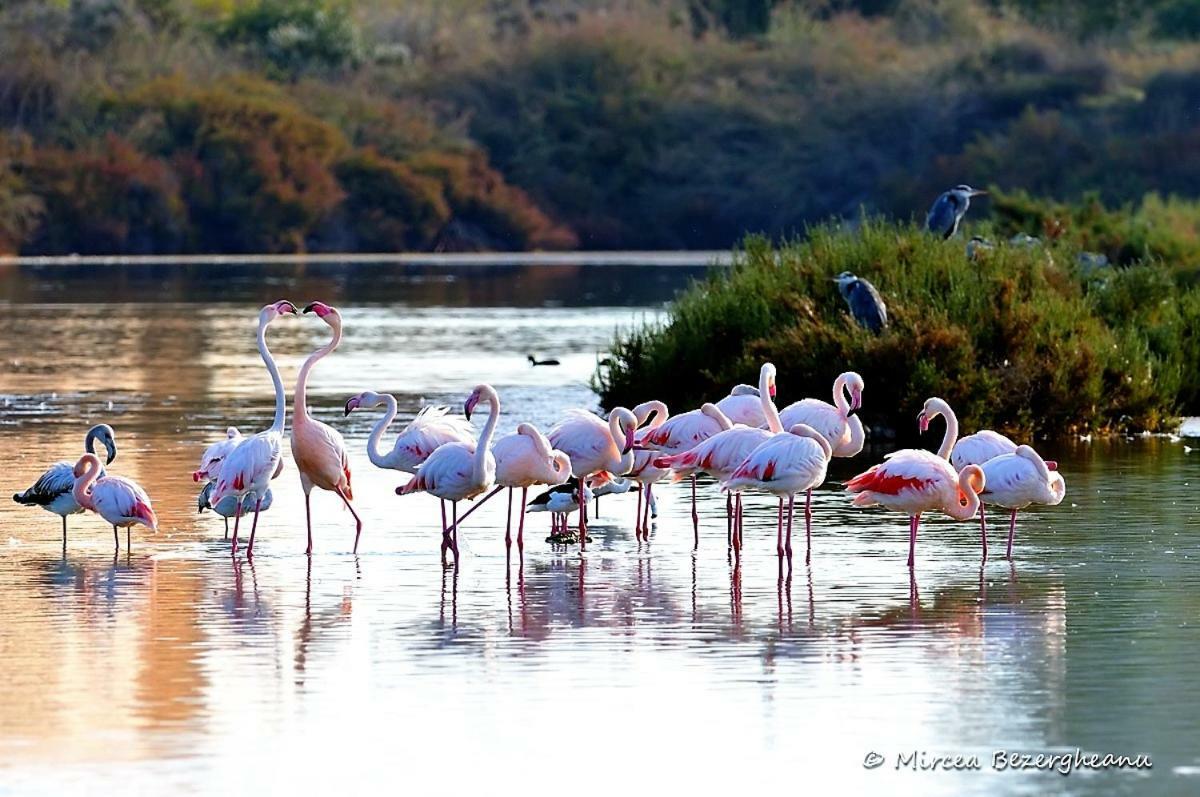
865 303
550 361
948 210
978 246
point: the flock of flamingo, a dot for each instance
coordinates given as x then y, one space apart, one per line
742 441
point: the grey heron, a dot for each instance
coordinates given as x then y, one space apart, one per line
865 303
948 210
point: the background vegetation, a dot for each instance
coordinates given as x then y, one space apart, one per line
1030 339
294 125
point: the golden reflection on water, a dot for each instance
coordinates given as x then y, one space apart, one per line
164 663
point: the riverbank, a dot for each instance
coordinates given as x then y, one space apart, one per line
688 259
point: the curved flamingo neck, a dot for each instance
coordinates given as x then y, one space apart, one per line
951 436
300 400
82 491
804 430
562 466
540 443
713 411
839 396
485 437
653 407
273 370
615 418
959 511
858 436
774 424
373 453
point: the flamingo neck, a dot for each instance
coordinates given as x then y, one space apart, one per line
951 436
958 510
273 370
300 400
485 437
82 491
624 462
858 436
656 408
713 411
774 424
373 452
839 396
540 444
562 466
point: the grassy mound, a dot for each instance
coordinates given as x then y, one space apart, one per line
1023 339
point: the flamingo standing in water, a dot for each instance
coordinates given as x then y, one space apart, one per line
1016 480
915 481
318 448
458 471
721 454
120 501
643 471
524 459
844 431
595 446
432 428
786 464
684 432
250 466
210 467
54 489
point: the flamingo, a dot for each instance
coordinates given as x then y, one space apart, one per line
524 459
742 406
257 459
915 481
720 455
317 448
457 471
54 489
978 448
684 432
228 506
120 501
1016 480
210 460
785 465
432 428
595 446
643 471
844 431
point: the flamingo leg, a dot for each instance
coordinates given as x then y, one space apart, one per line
808 528
357 519
237 521
738 531
779 530
695 516
454 532
445 533
521 523
308 517
582 518
597 506
508 522
64 520
983 530
646 513
728 519
913 524
637 519
226 528
1012 530
254 526
116 540
788 546
127 529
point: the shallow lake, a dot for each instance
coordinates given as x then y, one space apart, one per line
175 665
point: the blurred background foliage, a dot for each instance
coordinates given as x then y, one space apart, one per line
322 125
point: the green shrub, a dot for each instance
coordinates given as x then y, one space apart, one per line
1017 340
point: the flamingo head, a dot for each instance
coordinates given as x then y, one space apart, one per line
855 383
923 422
933 408
276 309
353 403
481 394
320 308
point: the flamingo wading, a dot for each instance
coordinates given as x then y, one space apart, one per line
120 501
54 489
524 459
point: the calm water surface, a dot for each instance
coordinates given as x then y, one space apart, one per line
177 666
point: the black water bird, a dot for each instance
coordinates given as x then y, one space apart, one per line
549 361
865 303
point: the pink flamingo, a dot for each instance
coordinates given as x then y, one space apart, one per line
595 446
458 471
742 406
684 432
844 431
432 428
978 448
915 481
721 454
210 460
1016 480
317 448
524 459
643 470
120 501
53 491
786 464
257 459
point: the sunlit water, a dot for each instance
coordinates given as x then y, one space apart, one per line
632 666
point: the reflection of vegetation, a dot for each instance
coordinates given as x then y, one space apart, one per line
1023 338
323 124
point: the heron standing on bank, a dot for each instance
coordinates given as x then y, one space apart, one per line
948 210
865 303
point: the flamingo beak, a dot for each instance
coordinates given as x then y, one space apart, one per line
469 406
771 390
923 422
1051 464
110 446
196 475
628 442
352 404
855 399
